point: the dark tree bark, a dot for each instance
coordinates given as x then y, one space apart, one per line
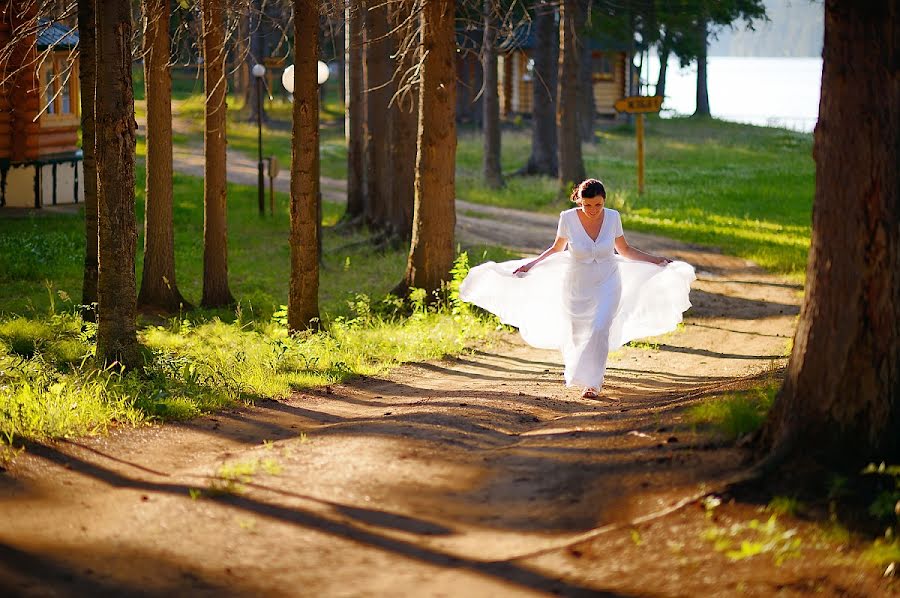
431 250
303 298
586 105
571 163
252 99
87 76
840 402
159 292
664 53
354 125
702 88
339 39
115 134
493 177
544 148
240 53
404 120
379 89
215 240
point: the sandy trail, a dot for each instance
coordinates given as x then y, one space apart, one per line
431 482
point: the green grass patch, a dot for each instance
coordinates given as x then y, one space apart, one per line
737 413
883 552
204 359
747 190
52 388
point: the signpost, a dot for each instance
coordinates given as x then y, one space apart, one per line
639 105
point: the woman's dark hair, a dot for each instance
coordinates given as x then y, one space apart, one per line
588 188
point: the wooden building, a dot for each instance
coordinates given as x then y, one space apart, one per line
610 78
40 163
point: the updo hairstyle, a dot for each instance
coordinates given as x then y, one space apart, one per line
588 188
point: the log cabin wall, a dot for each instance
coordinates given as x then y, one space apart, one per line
608 80
40 163
517 82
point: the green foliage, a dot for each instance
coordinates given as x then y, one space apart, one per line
36 247
738 413
883 552
786 505
50 387
741 540
886 505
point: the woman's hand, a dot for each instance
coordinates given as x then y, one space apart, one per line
522 270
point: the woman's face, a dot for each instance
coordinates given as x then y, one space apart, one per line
592 206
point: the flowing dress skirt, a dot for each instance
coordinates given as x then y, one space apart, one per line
583 309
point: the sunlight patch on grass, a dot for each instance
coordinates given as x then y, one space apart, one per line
738 413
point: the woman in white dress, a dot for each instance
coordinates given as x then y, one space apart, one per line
588 300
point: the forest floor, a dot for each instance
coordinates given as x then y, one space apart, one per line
480 475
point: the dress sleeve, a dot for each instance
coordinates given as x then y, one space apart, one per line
618 232
562 231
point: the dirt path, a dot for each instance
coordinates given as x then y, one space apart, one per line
441 480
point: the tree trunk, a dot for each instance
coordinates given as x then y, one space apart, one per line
404 121
840 402
339 39
544 148
571 163
493 177
378 75
115 134
258 52
303 300
87 75
431 250
215 241
664 53
241 81
586 106
702 89
354 124
158 289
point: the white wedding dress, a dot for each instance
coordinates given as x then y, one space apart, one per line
586 301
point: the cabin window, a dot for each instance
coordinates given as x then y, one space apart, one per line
49 92
59 79
604 63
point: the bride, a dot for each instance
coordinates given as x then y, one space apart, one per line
588 300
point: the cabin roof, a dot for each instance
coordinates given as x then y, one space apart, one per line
523 38
56 35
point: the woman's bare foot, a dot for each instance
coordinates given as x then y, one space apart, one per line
589 392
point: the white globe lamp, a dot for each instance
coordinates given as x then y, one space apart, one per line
287 77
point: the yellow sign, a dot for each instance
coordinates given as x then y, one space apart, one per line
639 104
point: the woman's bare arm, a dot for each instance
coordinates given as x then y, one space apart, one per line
633 253
558 245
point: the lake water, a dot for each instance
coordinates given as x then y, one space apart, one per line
777 92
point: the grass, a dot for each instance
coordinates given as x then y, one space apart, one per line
737 413
747 190
204 359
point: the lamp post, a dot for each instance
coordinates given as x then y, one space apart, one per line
259 71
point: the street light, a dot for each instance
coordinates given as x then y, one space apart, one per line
287 77
259 71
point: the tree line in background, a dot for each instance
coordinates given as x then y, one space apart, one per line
844 372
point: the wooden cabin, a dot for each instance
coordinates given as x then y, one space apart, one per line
611 79
40 163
